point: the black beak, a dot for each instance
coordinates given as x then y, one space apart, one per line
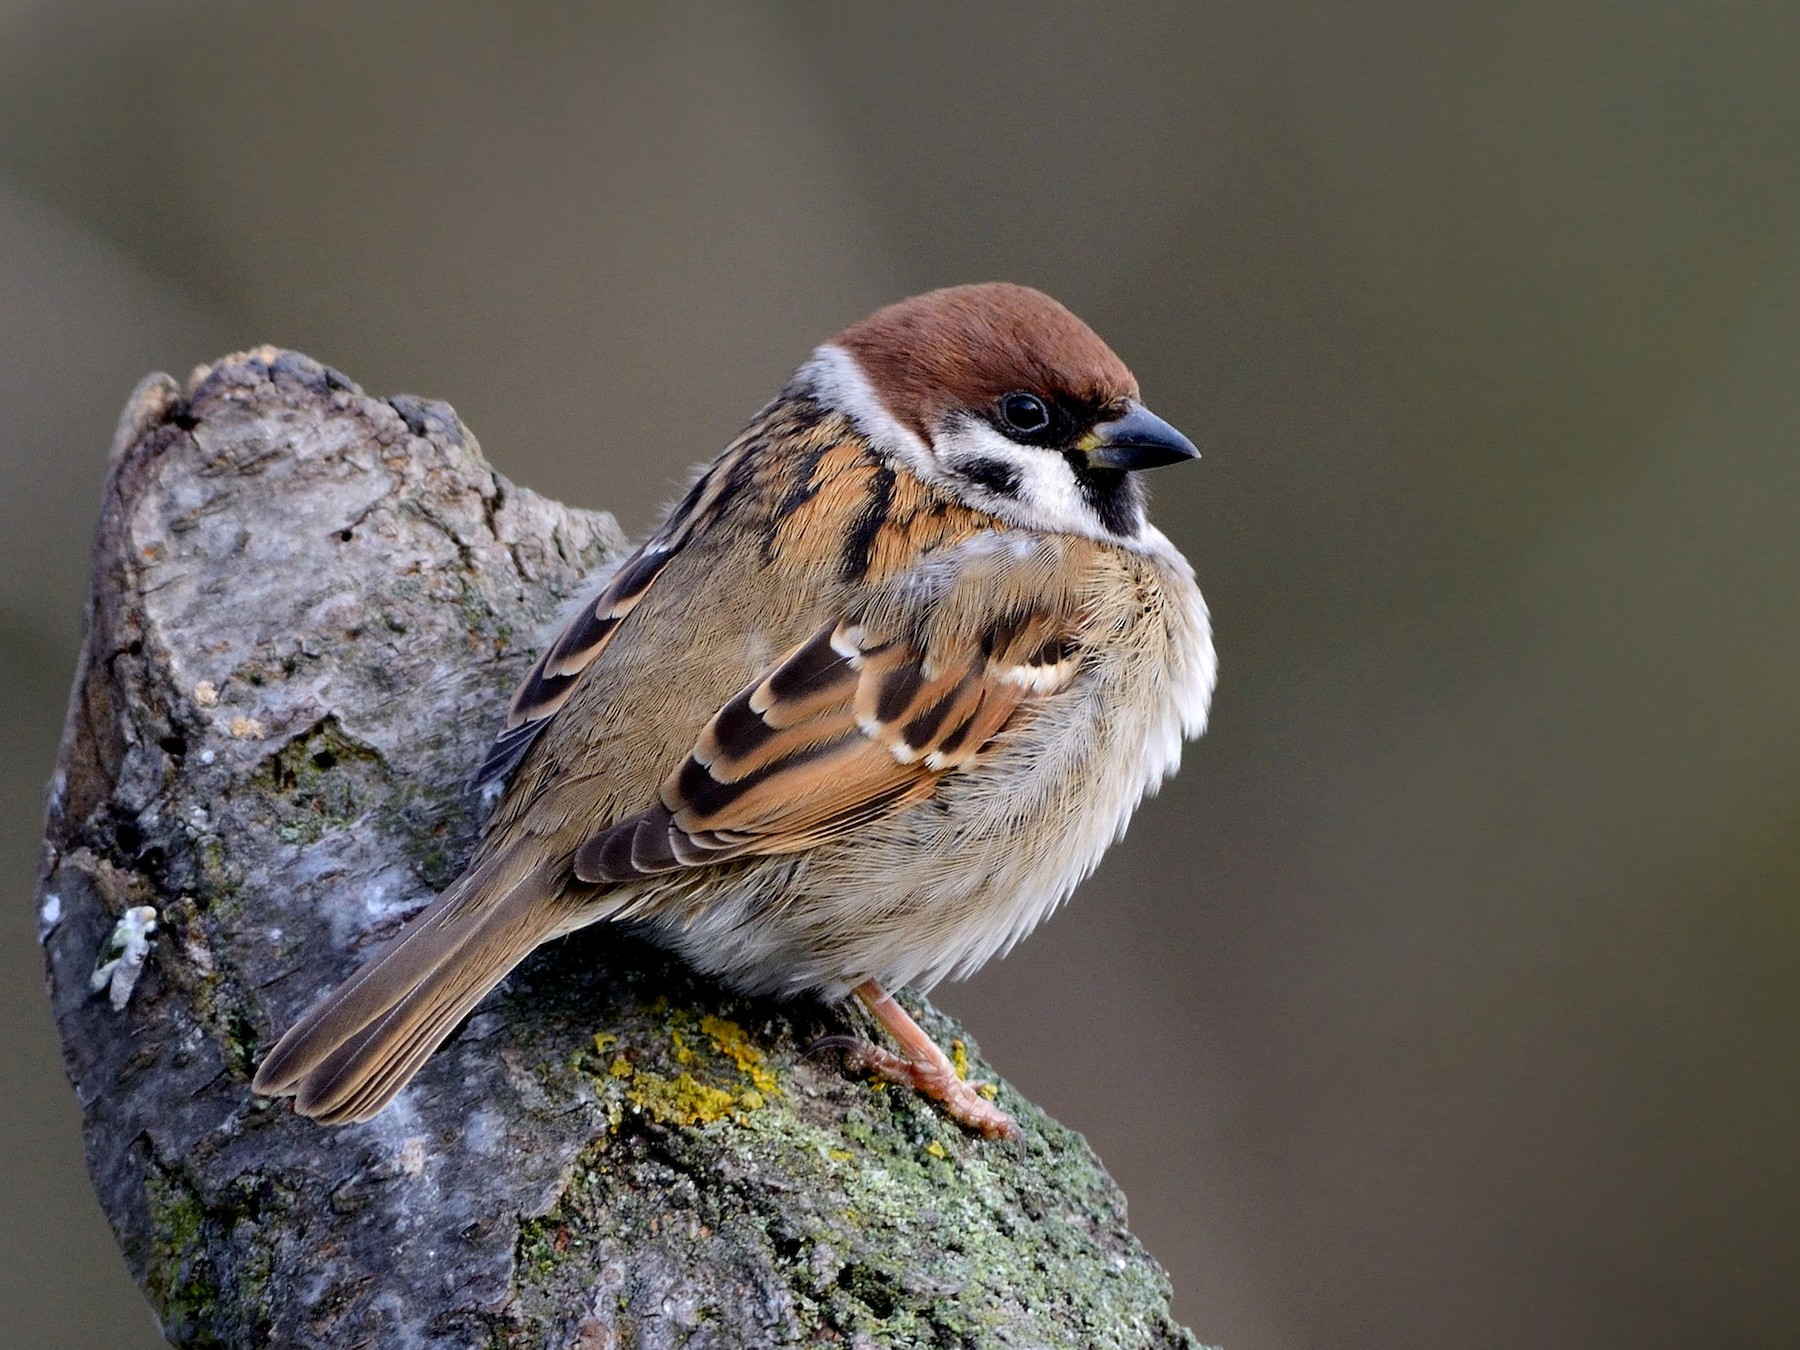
1138 440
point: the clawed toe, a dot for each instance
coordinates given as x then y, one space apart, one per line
962 1101
924 1067
966 1104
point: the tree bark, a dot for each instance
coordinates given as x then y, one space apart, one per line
307 608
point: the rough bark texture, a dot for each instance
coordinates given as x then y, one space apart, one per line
307 608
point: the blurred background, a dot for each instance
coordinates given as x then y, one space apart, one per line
1448 997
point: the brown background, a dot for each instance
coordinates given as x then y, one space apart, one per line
1448 998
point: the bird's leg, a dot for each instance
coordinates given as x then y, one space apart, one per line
921 1066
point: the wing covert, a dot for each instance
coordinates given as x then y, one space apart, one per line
543 691
849 726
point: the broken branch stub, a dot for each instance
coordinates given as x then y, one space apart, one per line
308 606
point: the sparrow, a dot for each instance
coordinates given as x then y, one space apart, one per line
859 714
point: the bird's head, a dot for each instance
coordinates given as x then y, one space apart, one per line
1001 396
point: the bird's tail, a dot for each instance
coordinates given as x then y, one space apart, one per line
363 1042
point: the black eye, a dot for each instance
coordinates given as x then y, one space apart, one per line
1024 413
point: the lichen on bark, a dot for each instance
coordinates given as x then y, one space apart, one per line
307 607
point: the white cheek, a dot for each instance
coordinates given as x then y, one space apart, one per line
1048 497
837 381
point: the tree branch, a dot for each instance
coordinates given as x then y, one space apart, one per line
307 608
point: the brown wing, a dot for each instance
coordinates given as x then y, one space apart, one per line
542 693
547 687
846 728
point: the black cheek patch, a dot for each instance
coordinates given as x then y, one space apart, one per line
996 475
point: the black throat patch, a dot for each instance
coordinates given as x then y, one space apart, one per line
1113 495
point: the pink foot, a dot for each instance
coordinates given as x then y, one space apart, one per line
961 1100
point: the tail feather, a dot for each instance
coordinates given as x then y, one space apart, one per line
377 985
348 1056
361 1076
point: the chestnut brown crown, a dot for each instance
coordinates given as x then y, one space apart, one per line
965 347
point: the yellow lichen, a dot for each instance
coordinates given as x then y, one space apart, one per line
679 1101
937 1150
989 1091
731 1041
959 1058
685 1100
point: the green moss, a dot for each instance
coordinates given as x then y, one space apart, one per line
438 856
209 1273
220 876
322 781
181 1281
215 994
537 1250
885 1219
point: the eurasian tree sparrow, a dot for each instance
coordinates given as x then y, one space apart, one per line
860 713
